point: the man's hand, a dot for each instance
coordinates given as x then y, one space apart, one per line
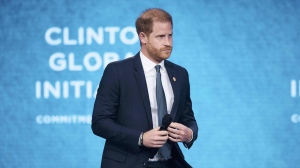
179 132
155 138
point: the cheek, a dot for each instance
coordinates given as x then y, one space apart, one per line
154 46
159 45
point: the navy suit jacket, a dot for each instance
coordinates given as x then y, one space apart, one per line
122 111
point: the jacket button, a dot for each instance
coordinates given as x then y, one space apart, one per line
144 164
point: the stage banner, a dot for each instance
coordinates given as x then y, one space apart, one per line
243 61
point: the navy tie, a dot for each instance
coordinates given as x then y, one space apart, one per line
165 151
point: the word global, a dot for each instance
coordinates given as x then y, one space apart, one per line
62 89
92 61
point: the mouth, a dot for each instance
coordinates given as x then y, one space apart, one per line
167 50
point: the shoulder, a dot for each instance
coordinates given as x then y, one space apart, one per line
123 65
175 67
118 70
124 62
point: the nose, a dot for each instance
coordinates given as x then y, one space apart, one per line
168 41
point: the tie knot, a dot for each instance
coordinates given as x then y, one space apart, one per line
157 67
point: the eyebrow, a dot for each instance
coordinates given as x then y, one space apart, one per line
163 35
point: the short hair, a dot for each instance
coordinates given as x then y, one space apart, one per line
144 22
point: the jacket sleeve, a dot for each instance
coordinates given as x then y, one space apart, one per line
188 118
105 112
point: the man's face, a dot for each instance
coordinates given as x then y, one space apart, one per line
159 42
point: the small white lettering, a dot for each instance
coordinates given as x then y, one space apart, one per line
295 118
58 36
293 88
92 61
63 119
63 89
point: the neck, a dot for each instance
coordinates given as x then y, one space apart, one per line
151 58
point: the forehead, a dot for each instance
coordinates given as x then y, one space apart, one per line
162 28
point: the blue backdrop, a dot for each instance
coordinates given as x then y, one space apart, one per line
242 57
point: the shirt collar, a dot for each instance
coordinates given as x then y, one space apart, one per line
148 65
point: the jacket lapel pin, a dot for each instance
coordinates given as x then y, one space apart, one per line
174 79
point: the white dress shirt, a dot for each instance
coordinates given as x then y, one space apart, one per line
150 74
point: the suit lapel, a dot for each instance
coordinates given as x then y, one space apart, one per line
175 87
141 81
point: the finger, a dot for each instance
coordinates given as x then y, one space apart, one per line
172 134
177 126
159 143
156 145
173 124
175 139
173 130
161 139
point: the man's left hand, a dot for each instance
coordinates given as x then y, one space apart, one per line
179 133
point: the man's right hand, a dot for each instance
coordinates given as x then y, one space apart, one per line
155 138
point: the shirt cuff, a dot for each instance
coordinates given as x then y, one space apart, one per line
187 143
192 136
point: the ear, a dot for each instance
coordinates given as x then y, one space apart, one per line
143 37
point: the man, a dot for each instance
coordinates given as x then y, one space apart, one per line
127 107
